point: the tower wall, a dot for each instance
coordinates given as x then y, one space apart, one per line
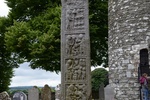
129 32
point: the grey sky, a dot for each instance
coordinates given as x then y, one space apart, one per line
25 76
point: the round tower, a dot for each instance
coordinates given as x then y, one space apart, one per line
129 43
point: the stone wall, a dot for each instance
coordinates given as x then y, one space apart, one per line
129 32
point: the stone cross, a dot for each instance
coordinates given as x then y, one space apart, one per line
75 51
33 93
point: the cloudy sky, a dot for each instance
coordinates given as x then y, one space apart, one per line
25 76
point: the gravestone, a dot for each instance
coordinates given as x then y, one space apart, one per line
57 92
101 92
109 93
75 51
19 96
4 96
33 93
46 93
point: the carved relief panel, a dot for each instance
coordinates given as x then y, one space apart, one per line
75 3
75 69
76 92
75 45
75 19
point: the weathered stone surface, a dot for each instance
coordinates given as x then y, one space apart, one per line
129 28
75 51
57 92
33 93
109 93
46 93
101 92
19 96
4 96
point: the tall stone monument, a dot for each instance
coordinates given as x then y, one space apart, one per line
75 51
129 45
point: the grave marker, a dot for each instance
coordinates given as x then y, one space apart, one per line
109 93
4 96
101 92
19 96
33 93
46 93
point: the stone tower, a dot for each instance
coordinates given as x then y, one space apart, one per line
75 51
129 43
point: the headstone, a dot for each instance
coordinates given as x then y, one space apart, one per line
4 96
46 93
101 92
75 51
33 93
57 92
19 96
109 93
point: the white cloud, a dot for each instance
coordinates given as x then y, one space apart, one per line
4 10
25 76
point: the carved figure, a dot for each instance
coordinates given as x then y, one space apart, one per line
77 45
83 73
80 73
69 19
70 41
75 75
69 65
75 69
71 92
74 44
74 18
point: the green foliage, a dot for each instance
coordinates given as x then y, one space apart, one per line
24 10
98 11
37 41
6 62
35 32
99 76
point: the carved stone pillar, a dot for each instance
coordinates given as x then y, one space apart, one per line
75 51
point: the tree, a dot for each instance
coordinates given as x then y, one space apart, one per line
98 11
6 62
37 41
99 76
35 34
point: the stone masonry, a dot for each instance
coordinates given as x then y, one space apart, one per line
129 32
75 51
